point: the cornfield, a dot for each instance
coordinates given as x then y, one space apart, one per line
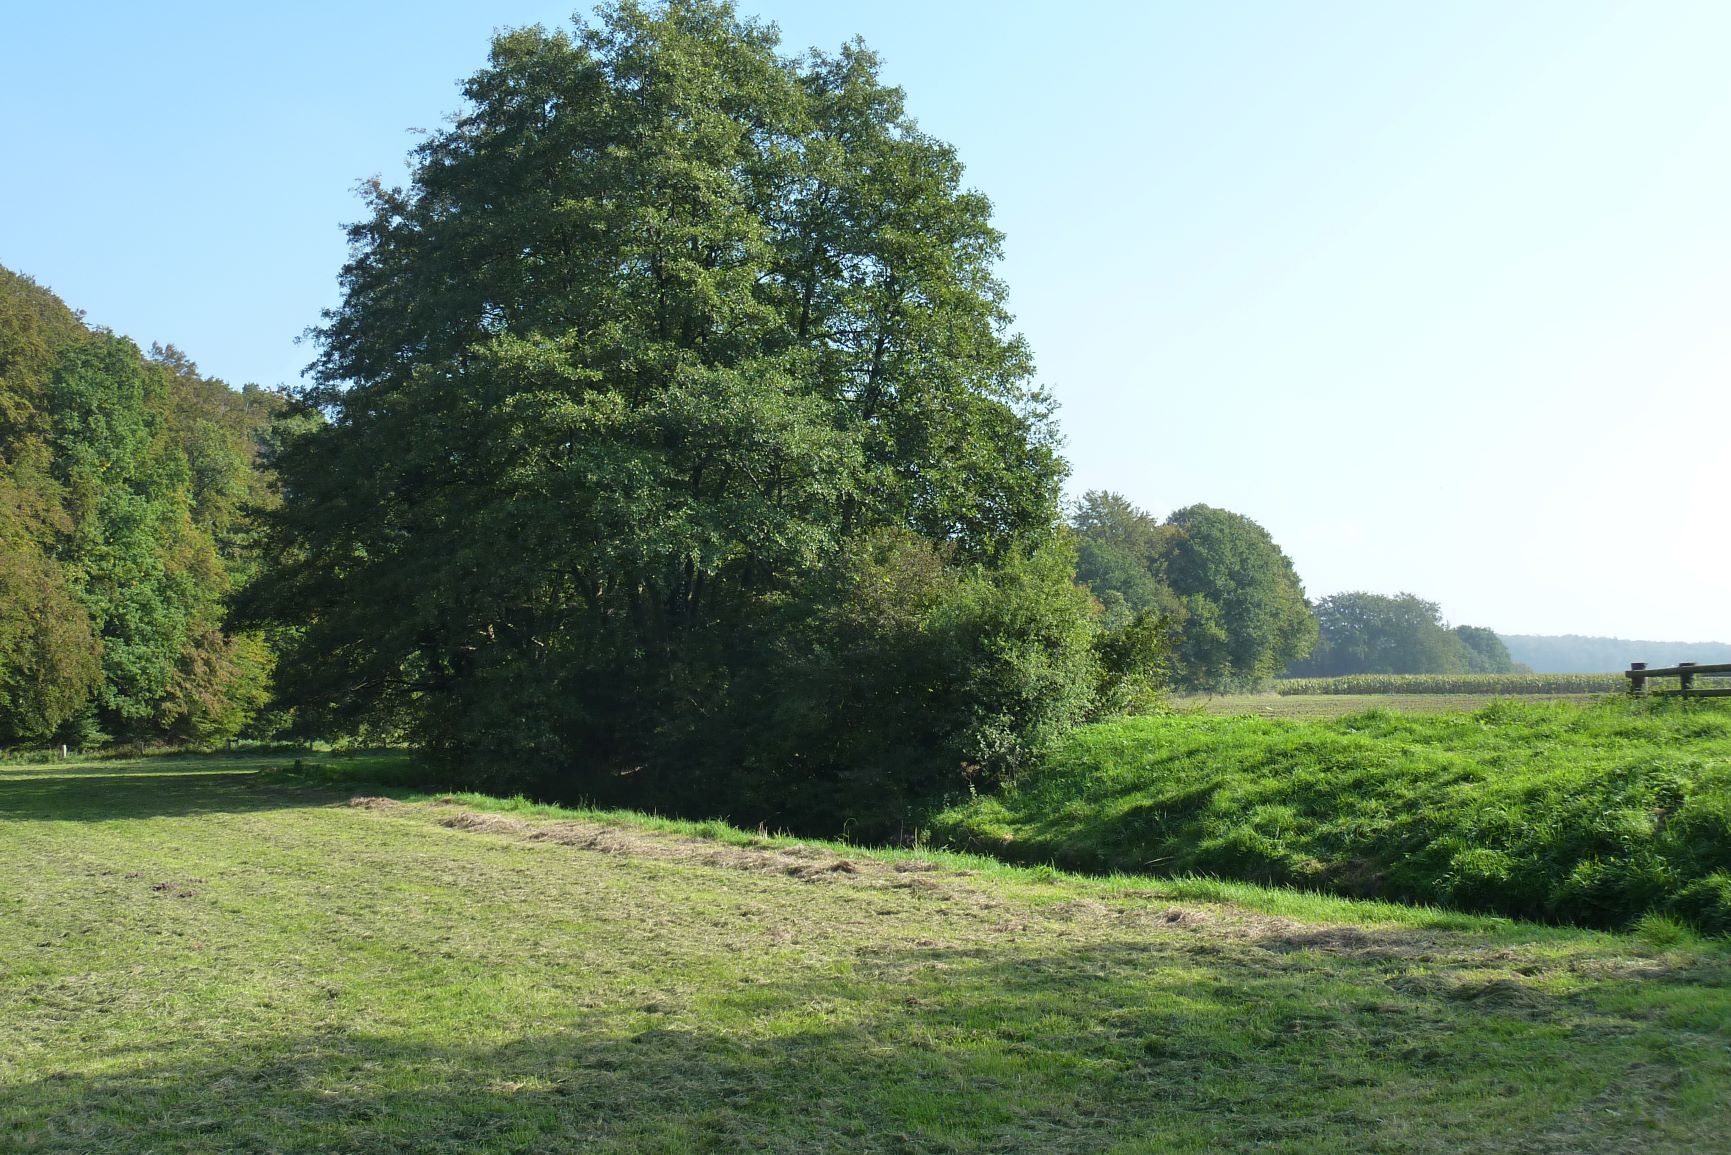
1458 684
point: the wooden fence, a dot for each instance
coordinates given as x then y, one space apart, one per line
1685 673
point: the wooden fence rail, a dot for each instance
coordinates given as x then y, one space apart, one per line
1685 673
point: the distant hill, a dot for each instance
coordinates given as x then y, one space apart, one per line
1575 654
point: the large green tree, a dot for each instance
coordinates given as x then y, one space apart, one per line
664 333
1121 555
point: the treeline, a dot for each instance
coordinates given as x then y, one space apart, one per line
124 477
1232 609
1576 654
1227 600
1364 633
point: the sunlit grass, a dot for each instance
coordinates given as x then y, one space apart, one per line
224 958
1595 814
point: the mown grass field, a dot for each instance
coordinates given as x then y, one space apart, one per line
206 955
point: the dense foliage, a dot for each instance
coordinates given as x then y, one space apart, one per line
1595 815
1121 556
1228 597
1364 633
123 479
676 445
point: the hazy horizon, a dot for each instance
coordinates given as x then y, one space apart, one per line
1433 294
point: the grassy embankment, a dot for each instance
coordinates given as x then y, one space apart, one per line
199 955
1597 814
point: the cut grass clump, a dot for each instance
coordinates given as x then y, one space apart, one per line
1593 815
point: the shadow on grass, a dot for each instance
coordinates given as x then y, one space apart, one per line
173 785
89 796
914 1050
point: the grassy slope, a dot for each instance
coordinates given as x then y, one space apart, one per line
1594 814
194 957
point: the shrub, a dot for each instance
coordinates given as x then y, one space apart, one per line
922 679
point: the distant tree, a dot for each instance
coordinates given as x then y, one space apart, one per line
1247 615
1577 654
1226 598
1112 519
1365 633
1485 653
1121 553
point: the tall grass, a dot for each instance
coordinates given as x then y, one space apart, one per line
1595 815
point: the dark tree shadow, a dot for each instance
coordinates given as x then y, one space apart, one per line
89 796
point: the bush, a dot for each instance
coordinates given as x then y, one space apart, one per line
919 679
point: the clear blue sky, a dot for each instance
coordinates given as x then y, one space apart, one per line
1436 292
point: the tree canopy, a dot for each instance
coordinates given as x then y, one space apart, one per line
1232 604
1365 633
678 380
1121 555
1248 615
123 478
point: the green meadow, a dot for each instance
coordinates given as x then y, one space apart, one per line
209 954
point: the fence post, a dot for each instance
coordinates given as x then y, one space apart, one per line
1686 680
1637 680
